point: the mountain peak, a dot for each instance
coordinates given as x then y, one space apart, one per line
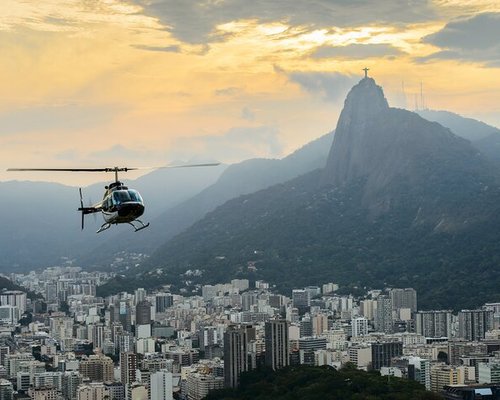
364 100
348 155
383 147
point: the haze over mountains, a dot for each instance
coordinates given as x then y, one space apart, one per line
41 227
484 137
175 198
402 201
243 178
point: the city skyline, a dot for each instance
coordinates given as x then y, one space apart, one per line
197 344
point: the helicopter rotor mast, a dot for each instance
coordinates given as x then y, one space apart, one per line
118 169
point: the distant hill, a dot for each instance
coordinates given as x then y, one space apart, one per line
238 179
319 383
40 225
484 137
402 202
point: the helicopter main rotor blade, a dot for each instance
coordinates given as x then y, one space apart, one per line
111 169
192 165
180 166
114 169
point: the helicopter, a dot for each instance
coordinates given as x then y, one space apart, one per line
119 204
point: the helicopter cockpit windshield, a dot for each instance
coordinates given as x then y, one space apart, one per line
126 196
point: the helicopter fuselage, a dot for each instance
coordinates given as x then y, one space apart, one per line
121 204
124 213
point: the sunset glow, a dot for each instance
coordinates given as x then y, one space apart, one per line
141 83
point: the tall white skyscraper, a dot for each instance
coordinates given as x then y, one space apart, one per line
383 316
473 324
277 345
435 323
140 295
359 326
14 298
235 355
161 385
404 298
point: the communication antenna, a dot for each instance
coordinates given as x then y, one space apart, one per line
405 105
422 95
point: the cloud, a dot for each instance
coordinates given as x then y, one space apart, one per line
116 154
441 55
120 152
332 86
239 143
356 51
166 49
195 21
229 91
61 117
472 39
67 155
247 114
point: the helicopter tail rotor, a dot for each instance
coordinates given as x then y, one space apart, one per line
86 210
81 208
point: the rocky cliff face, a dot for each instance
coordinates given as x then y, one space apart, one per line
349 156
392 151
403 202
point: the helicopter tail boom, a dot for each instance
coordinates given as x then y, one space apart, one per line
88 210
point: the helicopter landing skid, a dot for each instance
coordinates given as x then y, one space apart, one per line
140 228
103 227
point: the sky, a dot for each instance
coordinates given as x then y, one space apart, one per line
99 83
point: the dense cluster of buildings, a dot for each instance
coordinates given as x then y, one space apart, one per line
70 344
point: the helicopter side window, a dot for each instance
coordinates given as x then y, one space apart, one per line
135 196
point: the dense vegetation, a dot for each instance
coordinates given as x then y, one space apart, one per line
327 237
322 383
424 214
242 178
125 284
